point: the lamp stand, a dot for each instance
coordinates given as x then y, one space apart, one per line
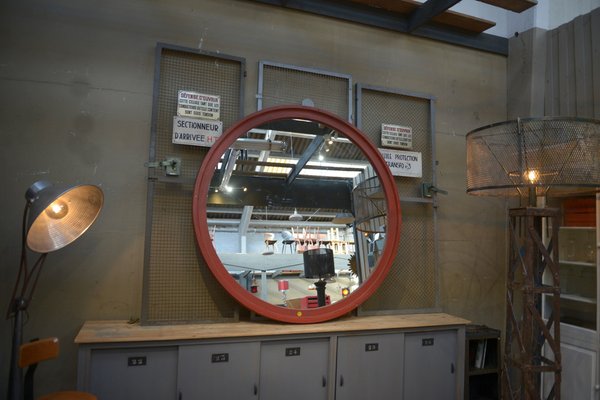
15 380
320 286
527 334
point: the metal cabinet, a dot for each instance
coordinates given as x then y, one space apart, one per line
219 371
134 373
370 367
410 357
430 366
294 369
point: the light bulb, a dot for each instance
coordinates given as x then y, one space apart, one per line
57 210
532 176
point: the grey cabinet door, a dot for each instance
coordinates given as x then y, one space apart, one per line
430 366
370 367
294 370
142 373
227 371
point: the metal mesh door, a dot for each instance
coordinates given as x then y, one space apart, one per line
178 286
412 281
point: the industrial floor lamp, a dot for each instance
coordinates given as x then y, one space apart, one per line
53 218
533 158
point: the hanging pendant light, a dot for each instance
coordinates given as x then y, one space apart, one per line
295 216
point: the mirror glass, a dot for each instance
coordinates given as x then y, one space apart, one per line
293 204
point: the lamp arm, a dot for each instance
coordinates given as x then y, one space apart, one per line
23 288
21 275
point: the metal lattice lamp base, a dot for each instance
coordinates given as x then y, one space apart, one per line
532 346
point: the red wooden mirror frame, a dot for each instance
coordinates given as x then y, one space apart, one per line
247 299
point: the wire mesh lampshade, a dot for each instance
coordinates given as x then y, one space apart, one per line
58 216
551 155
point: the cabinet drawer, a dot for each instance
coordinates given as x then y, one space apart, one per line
219 371
141 373
294 369
430 365
370 367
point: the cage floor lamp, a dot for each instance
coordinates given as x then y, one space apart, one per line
533 158
53 218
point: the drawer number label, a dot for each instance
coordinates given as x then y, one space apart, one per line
136 361
292 351
220 357
428 342
372 347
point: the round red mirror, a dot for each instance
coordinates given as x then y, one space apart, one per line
287 180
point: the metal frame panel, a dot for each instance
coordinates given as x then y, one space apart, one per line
156 181
262 65
377 304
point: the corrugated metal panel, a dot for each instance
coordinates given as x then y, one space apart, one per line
573 68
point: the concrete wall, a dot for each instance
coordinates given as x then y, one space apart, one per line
76 83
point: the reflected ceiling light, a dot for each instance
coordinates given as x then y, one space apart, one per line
53 218
259 145
295 216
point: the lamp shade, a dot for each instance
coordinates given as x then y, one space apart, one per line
318 263
553 155
58 216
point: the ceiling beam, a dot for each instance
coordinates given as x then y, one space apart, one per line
312 148
512 5
245 219
429 10
381 18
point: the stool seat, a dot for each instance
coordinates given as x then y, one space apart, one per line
68 395
271 243
291 243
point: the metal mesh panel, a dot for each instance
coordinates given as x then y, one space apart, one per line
554 155
292 85
178 286
411 283
379 107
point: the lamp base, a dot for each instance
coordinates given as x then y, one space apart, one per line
320 286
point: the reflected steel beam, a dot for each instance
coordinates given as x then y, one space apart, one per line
245 219
312 148
427 11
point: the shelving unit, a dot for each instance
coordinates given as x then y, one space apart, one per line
482 362
578 257
577 250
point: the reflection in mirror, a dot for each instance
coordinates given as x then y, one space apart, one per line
288 187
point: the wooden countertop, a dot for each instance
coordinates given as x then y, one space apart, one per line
122 331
